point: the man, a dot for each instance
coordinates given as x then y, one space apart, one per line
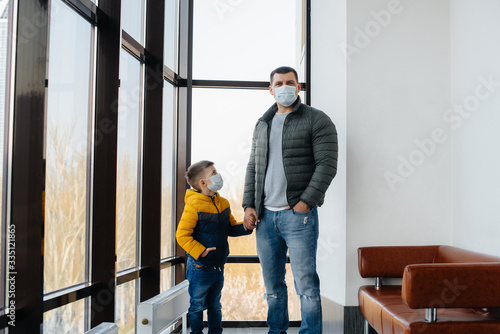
292 163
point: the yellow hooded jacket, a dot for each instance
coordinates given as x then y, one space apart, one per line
207 222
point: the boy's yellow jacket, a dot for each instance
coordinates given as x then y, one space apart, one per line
207 222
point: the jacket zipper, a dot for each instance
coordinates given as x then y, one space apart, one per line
268 130
213 201
218 215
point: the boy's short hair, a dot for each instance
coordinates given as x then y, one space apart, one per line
195 171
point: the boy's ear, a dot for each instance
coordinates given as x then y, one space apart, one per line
202 183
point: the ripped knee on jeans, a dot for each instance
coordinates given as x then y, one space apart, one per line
271 295
312 298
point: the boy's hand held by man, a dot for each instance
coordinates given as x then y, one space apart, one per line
250 220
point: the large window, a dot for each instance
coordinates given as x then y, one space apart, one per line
83 165
222 133
65 319
82 119
67 149
133 12
126 301
129 160
67 138
229 148
229 46
171 34
242 295
169 142
168 166
169 120
246 40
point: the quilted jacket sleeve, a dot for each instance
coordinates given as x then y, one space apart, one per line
185 230
249 192
236 229
325 150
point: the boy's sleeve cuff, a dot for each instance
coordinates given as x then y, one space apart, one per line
197 251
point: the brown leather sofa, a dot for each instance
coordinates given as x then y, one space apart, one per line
445 290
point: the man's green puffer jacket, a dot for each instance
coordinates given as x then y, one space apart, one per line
309 157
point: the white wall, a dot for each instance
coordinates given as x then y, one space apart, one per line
397 87
476 134
329 94
416 99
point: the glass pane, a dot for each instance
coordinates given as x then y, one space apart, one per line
171 32
67 163
4 42
129 122
133 19
69 318
216 109
166 279
125 307
243 293
167 173
246 40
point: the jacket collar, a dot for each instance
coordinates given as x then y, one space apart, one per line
269 114
199 192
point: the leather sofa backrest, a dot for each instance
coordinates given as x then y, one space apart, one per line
449 254
390 261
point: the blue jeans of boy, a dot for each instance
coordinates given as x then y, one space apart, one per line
277 232
205 286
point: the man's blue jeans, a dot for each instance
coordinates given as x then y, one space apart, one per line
277 232
205 286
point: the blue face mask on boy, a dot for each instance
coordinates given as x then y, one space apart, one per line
217 183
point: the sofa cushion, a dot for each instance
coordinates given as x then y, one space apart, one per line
451 285
385 311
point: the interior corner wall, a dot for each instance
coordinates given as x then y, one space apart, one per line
475 128
328 74
398 145
417 119
381 70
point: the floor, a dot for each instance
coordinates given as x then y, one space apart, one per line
255 330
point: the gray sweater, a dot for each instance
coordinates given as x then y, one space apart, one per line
275 180
309 157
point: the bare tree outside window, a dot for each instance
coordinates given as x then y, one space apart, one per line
67 162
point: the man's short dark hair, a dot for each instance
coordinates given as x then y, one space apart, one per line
283 70
195 172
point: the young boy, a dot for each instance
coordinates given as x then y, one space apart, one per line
202 232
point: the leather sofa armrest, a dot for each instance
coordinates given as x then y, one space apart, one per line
390 261
452 285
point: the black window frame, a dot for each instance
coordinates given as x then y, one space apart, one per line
28 178
26 194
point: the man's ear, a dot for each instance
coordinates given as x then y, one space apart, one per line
298 88
271 90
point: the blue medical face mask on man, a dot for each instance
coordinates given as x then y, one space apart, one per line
217 183
285 95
